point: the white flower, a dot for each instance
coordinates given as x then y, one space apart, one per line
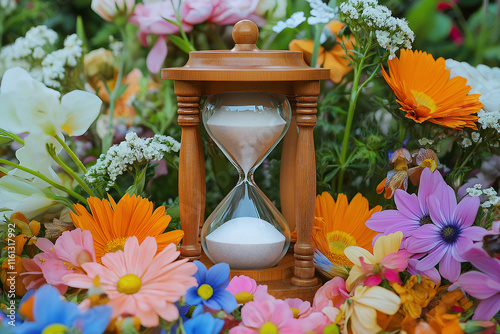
293 22
473 192
109 9
483 80
8 6
424 141
26 105
476 137
320 12
466 142
276 7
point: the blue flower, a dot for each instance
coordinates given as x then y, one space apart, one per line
50 312
205 323
211 291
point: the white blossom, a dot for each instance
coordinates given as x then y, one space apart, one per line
293 22
121 158
320 12
466 142
476 137
8 6
424 141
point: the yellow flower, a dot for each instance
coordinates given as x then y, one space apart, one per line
361 309
385 245
415 295
338 225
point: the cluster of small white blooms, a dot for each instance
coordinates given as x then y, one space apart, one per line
424 141
490 193
54 65
391 33
293 22
483 80
33 45
476 137
466 142
122 157
8 6
321 12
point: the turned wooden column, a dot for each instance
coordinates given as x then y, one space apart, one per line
287 169
192 187
305 192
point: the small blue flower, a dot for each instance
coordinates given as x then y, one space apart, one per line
51 312
211 290
205 323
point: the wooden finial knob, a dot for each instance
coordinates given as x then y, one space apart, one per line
245 32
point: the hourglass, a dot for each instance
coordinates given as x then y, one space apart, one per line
246 230
241 83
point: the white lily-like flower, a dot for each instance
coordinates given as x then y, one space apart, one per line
360 310
27 105
28 197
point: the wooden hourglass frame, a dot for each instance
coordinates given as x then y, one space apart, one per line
245 68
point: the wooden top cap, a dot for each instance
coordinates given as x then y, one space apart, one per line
245 62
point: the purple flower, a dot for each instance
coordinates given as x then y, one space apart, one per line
412 211
483 285
451 230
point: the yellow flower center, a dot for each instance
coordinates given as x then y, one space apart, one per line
129 284
55 329
331 329
243 297
268 328
424 100
295 312
115 245
431 163
338 241
205 291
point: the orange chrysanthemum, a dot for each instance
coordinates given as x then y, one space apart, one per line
426 92
339 225
111 224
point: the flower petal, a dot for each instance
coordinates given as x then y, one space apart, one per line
79 110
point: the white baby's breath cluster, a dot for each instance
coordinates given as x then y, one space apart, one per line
121 158
391 33
490 193
293 22
466 142
37 54
321 12
7 6
483 80
425 141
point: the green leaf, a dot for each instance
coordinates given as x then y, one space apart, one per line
80 31
5 140
426 22
181 43
138 187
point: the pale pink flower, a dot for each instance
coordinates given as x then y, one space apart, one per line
140 283
75 247
314 323
232 11
196 11
300 308
110 9
333 291
245 289
267 316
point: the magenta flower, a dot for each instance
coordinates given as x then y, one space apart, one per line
267 316
449 232
484 284
412 210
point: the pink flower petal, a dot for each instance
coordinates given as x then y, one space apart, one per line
157 55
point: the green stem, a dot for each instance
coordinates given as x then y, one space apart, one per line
468 157
318 29
46 179
68 170
71 154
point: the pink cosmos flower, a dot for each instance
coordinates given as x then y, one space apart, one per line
332 293
267 316
300 308
232 11
138 282
483 284
245 289
451 230
314 323
75 247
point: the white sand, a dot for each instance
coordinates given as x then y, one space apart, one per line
246 135
246 243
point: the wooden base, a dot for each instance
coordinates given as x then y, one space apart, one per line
278 279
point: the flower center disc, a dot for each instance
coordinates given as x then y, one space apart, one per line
55 329
450 234
243 297
205 291
129 284
115 245
268 328
337 242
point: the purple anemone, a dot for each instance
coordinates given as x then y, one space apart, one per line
484 284
412 210
449 232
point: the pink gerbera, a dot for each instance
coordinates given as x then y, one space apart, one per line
268 315
138 283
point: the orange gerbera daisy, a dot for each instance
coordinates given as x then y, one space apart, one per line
426 92
335 58
111 224
338 225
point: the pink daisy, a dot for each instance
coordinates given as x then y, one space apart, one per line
138 283
300 308
267 316
245 289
